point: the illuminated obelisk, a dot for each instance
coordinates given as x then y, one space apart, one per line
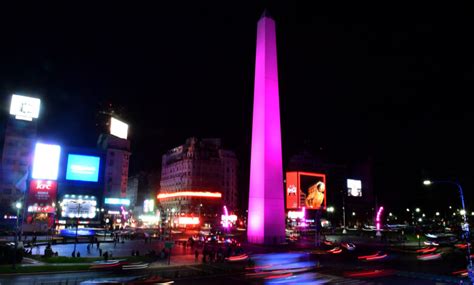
266 216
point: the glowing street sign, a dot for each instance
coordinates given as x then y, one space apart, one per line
25 108
118 128
46 161
117 201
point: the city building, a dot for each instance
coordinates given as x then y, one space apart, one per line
132 191
349 186
198 177
117 162
18 150
17 156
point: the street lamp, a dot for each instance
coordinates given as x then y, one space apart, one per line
18 207
77 222
464 227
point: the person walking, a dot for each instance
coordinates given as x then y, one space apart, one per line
196 255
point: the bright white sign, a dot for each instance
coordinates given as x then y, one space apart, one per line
25 108
79 207
46 161
354 188
118 128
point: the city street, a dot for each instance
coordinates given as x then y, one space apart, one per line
118 250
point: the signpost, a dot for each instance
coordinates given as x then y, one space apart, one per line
169 245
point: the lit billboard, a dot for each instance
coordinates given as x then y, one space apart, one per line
354 188
292 194
25 108
305 189
118 128
78 206
148 205
83 168
46 161
42 195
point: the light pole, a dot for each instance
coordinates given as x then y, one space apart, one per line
77 224
18 207
464 227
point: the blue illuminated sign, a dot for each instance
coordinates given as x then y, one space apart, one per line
83 168
117 201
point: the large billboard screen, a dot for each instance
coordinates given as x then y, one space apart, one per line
42 195
354 188
305 189
25 108
118 128
83 168
46 161
78 206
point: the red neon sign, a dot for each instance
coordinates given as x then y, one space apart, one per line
42 193
190 194
292 193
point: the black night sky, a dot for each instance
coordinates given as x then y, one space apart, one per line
389 82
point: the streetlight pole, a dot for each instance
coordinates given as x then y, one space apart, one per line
77 225
18 207
344 231
464 227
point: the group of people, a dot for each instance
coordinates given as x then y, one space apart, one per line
218 253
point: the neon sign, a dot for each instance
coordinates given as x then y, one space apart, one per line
377 218
190 194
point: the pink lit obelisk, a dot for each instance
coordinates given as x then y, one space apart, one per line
266 216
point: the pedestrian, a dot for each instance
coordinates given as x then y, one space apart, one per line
196 255
138 253
100 251
98 244
73 254
78 254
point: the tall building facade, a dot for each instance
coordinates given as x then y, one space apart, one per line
116 165
17 157
199 177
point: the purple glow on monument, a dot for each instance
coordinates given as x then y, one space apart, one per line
266 216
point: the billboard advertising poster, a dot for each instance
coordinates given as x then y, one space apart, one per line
42 195
354 188
46 161
118 128
78 206
25 108
83 168
312 187
292 195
